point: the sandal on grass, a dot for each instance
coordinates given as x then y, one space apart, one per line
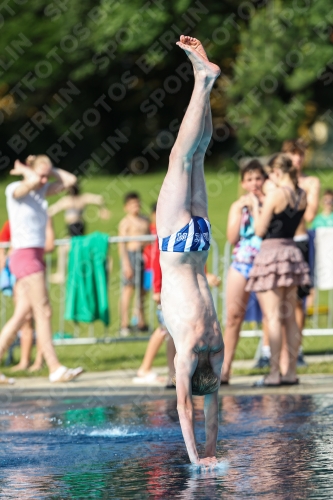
64 374
6 380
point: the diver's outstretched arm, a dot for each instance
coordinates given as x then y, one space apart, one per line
211 410
185 364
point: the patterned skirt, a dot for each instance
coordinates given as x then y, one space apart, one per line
279 263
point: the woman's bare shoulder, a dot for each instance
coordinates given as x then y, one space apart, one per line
275 195
269 186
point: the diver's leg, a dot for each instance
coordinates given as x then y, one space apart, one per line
175 198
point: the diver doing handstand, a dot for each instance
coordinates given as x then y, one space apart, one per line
184 235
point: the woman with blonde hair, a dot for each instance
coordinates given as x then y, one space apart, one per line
279 267
27 210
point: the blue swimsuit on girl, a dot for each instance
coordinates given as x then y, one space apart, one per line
248 246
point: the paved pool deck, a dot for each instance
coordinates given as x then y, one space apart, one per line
117 387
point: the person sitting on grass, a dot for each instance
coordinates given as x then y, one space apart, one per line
184 240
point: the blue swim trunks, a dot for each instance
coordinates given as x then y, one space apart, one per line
194 237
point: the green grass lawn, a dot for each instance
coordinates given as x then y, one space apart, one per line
223 189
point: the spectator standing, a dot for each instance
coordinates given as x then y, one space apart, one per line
132 262
265 351
27 329
145 373
325 218
279 266
149 253
322 220
241 233
296 149
27 210
4 238
74 205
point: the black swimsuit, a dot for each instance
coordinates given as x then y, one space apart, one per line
285 223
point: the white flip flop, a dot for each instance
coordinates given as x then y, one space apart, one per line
6 380
64 374
146 379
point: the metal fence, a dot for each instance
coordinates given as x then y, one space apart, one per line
319 323
70 333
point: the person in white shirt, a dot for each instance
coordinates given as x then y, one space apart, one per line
27 210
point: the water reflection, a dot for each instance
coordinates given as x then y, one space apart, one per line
275 447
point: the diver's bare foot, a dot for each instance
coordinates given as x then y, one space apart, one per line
195 43
20 367
201 65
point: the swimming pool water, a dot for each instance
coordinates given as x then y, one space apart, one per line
270 447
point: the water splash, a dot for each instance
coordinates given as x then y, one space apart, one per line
114 432
213 471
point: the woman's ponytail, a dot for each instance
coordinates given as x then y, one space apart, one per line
284 163
294 176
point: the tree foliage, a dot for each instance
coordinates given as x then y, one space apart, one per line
102 83
280 72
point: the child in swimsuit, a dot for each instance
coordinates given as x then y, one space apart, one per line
241 233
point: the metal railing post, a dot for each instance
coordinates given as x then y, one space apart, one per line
226 263
215 270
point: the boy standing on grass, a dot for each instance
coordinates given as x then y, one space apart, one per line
325 219
132 264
